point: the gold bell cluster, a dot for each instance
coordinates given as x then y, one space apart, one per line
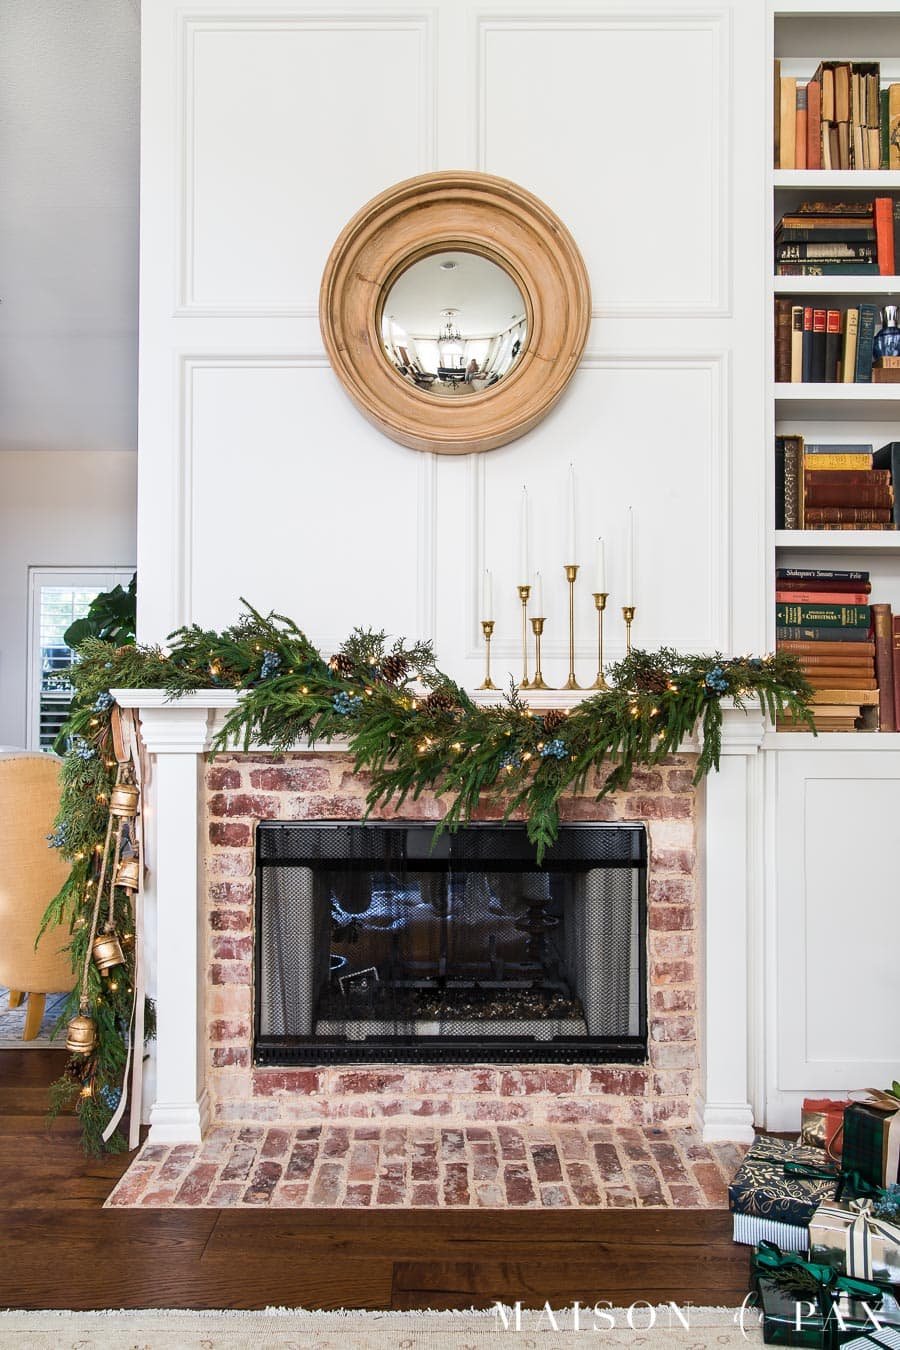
120 869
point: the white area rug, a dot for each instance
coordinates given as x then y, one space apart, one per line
276 1329
12 1023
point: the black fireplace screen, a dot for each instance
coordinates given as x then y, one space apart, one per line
374 942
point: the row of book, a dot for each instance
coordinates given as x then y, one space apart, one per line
848 486
848 649
840 119
815 345
856 238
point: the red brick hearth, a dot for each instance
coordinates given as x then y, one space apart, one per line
243 789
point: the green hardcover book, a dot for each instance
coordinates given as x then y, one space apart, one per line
809 634
822 616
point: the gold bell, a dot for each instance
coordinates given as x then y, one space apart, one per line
107 952
128 874
81 1035
123 800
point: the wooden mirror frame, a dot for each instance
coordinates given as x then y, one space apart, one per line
474 213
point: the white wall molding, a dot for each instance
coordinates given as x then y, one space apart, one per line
191 28
717 301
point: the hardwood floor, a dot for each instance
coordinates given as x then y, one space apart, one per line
61 1250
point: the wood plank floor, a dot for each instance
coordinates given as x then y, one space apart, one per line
61 1250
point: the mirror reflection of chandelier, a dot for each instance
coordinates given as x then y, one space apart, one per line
450 344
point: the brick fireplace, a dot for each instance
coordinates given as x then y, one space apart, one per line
202 816
242 790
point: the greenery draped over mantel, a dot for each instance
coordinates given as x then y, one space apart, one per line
407 724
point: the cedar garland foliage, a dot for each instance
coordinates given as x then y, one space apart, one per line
408 741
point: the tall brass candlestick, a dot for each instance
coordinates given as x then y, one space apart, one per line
571 574
537 627
628 616
487 627
600 599
524 592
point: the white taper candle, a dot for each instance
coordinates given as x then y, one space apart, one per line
538 596
571 544
629 559
523 541
600 578
487 596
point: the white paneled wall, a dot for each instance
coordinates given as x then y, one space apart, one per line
264 129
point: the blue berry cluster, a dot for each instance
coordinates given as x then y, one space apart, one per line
555 749
102 702
344 704
510 760
716 680
81 749
110 1096
887 1206
271 665
60 836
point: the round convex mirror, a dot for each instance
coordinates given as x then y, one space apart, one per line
453 324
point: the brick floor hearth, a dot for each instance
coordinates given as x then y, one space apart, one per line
424 1166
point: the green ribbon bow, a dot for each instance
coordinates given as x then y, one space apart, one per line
769 1257
853 1182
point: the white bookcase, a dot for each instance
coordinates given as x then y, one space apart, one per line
822 790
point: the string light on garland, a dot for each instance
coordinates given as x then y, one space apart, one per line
408 725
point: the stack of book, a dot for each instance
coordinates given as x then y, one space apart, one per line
836 239
840 119
831 487
824 346
823 618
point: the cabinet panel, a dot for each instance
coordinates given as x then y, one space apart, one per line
837 919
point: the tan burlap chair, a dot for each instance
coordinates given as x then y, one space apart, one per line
30 875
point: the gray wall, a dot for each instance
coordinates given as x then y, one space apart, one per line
69 153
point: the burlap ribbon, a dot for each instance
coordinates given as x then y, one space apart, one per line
858 1234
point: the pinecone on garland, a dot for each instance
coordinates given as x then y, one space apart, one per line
438 701
553 720
342 664
394 667
651 681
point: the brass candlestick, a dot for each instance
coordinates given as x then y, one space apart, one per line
537 627
600 599
628 616
524 592
571 574
487 627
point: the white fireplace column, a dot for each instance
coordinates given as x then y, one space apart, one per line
177 735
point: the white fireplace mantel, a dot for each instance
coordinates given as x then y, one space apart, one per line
178 733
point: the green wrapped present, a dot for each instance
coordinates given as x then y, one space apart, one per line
852 1238
811 1304
872 1138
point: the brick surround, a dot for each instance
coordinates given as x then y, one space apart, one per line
243 789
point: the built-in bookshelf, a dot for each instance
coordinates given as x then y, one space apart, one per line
803 33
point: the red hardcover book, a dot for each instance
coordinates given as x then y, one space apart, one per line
895 624
851 515
823 597
797 584
814 125
882 625
829 494
847 477
884 235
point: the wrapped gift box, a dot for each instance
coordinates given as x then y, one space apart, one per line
790 1320
768 1202
851 1238
872 1139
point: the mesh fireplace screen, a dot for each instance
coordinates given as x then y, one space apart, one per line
374 942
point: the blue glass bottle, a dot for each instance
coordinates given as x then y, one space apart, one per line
887 339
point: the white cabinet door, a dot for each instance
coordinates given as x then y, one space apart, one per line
837 920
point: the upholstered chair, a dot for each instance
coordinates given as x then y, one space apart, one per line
30 875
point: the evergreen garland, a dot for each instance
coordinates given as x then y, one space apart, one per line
408 725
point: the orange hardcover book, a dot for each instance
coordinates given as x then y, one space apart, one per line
814 125
788 122
884 235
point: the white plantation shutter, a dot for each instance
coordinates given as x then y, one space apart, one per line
57 598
